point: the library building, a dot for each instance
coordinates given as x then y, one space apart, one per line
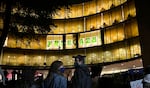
74 44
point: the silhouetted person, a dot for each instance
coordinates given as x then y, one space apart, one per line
81 78
55 78
28 76
95 70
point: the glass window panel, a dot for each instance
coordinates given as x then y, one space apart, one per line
122 1
116 2
70 43
88 58
135 48
110 2
59 29
120 33
94 57
116 15
11 41
92 7
95 38
128 51
38 42
108 56
132 8
93 22
101 57
28 59
105 4
131 29
76 11
5 59
86 8
54 42
1 23
113 34
21 59
100 5
72 26
128 31
79 25
13 59
122 52
116 55
82 42
36 60
68 26
79 10
51 58
107 36
126 11
67 60
107 19
134 28
89 39
99 22
88 23
60 14
72 12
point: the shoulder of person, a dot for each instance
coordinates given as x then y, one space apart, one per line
57 76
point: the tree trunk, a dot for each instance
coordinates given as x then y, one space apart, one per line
6 23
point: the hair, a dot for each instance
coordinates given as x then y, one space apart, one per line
54 68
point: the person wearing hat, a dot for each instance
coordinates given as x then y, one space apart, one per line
81 77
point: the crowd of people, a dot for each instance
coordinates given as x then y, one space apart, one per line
82 77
